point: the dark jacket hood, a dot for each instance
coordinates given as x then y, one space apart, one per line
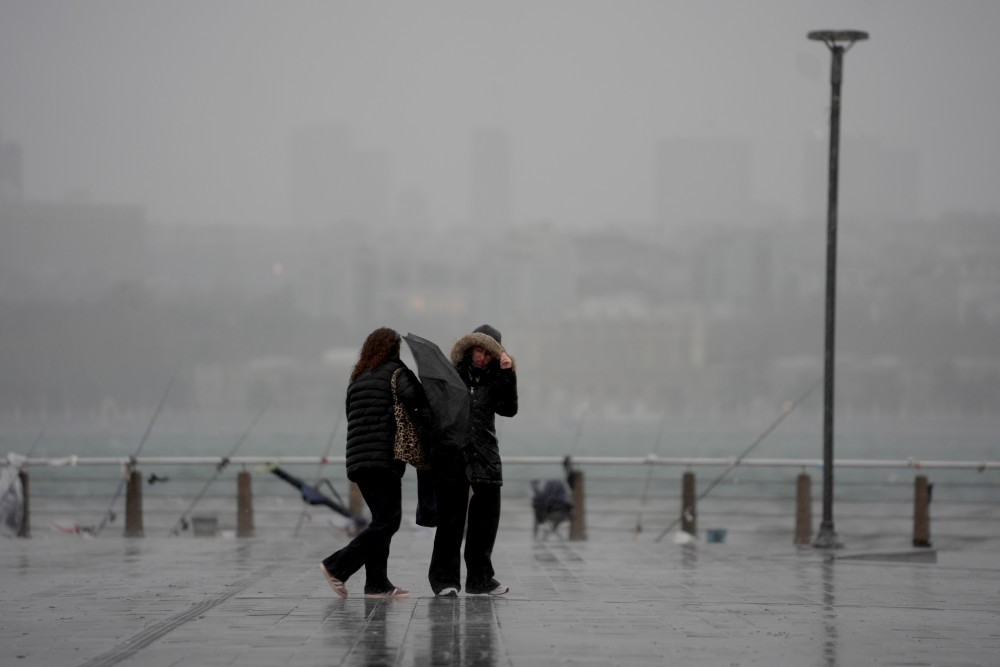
485 337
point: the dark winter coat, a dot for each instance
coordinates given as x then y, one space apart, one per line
494 392
371 424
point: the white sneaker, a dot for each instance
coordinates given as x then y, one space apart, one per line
450 592
499 590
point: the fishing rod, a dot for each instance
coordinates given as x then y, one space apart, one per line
182 523
38 439
579 427
786 410
127 469
319 472
649 478
568 461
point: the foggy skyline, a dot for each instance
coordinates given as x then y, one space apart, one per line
189 109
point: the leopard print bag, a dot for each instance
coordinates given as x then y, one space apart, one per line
408 446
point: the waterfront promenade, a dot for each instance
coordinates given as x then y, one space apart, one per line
162 601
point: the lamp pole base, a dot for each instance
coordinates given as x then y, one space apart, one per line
827 537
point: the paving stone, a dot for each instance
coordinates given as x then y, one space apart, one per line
163 601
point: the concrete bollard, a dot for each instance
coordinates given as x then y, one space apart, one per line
921 512
133 505
25 529
244 506
689 512
803 510
578 526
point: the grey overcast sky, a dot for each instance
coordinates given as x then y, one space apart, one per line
186 107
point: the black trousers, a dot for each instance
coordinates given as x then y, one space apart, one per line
383 493
483 521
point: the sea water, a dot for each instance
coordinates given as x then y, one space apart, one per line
83 493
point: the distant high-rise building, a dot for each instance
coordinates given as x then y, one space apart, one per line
703 180
491 191
333 182
875 181
11 171
412 211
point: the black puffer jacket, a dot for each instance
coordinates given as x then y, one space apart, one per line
371 424
494 392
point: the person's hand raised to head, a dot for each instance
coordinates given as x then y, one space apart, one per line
505 361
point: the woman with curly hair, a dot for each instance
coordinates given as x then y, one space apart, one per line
371 431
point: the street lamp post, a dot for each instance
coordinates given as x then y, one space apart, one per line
838 41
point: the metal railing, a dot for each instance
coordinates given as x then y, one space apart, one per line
650 459
572 466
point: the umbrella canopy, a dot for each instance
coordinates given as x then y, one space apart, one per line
447 394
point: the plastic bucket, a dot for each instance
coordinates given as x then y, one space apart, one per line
716 535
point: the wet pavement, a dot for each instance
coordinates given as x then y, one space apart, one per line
163 601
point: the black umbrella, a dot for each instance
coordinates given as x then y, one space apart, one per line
315 497
447 394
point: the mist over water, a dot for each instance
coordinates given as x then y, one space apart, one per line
234 195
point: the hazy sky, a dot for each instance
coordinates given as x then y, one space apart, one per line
187 106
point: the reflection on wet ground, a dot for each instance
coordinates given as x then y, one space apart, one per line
829 612
207 601
435 631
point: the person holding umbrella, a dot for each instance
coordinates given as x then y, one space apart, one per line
371 430
489 375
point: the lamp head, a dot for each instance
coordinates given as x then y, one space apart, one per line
835 38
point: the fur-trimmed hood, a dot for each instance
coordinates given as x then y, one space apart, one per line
492 393
485 337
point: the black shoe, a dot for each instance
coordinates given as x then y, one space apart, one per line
450 592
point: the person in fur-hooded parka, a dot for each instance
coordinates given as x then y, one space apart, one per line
489 373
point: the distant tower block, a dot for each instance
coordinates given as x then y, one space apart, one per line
491 195
11 171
